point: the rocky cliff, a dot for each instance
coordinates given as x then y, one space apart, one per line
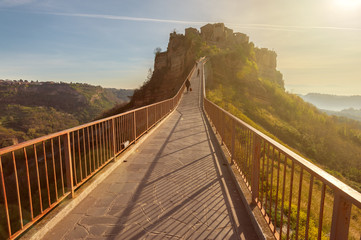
267 63
172 66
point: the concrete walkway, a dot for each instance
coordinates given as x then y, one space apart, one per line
173 186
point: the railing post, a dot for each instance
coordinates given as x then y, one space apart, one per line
113 132
147 119
5 199
135 127
233 140
222 126
68 164
340 217
255 167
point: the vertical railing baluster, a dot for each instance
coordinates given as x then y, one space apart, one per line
290 201
246 155
277 188
5 198
320 218
97 144
38 177
147 118
29 183
54 170
93 147
283 195
90 156
233 141
104 138
221 125
263 173
101 145
17 190
46 173
299 202
256 167
107 135
85 155
106 141
74 164
267 174
135 127
114 138
119 135
309 207
61 165
122 131
79 157
68 164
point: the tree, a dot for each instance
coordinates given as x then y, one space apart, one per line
157 51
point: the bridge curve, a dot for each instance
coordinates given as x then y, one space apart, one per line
174 185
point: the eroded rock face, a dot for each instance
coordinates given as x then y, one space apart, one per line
266 58
221 36
178 56
267 63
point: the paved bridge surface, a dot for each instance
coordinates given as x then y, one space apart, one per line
175 185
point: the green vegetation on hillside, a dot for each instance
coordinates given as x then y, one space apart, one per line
34 109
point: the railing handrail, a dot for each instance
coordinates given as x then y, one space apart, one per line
330 180
63 132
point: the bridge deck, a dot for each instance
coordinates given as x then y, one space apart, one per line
174 185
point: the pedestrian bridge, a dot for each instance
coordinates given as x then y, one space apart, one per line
179 169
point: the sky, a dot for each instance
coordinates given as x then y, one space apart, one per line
111 42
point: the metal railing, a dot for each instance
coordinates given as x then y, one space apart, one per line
297 199
37 175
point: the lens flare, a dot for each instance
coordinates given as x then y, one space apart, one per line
348 4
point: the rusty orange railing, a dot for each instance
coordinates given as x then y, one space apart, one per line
297 199
37 175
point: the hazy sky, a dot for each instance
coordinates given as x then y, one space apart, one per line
111 43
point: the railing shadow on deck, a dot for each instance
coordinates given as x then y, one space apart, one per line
186 176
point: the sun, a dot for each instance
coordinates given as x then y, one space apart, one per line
348 4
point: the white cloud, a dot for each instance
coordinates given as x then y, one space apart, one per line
272 27
14 3
125 18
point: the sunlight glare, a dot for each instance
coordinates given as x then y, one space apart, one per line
348 4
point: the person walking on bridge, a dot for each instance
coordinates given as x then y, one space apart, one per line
188 84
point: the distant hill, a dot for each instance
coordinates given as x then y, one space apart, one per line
349 113
333 102
33 109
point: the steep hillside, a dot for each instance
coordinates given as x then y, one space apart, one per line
236 81
33 109
170 70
